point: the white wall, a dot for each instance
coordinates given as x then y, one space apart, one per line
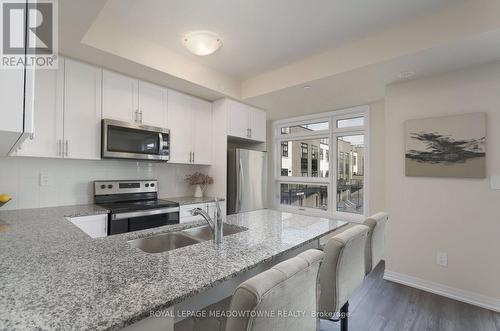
457 216
70 181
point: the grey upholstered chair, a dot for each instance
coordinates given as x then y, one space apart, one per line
290 286
375 243
342 272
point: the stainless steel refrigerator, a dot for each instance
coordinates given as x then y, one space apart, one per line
246 180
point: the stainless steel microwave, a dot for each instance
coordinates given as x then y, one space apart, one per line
123 140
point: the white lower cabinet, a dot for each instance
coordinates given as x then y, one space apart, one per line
95 226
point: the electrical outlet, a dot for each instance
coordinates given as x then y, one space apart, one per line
442 259
44 179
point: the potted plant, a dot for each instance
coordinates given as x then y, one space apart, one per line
200 182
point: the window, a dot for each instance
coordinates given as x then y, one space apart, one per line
305 128
350 179
314 161
309 196
284 149
302 178
302 159
350 122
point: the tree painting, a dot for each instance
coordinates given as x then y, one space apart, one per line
441 148
447 146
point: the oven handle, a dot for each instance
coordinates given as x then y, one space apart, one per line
144 213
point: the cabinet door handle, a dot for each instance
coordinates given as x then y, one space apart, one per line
67 148
136 114
250 130
59 144
140 118
193 157
190 157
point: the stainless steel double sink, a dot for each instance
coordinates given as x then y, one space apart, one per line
173 240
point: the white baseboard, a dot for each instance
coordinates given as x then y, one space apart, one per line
446 291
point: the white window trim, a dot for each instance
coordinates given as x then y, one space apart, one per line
332 134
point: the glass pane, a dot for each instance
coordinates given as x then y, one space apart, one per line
350 122
303 128
301 195
122 139
350 173
305 158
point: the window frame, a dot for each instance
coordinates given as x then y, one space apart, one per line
331 181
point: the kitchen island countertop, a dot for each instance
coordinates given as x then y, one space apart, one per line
54 276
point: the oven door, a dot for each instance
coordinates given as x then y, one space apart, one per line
134 141
135 221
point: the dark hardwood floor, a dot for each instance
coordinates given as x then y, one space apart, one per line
384 305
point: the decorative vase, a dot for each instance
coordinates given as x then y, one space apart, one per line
198 192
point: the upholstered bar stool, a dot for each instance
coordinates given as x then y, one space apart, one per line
342 272
375 243
258 303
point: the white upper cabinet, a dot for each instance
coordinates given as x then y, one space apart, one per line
238 119
131 100
245 121
181 127
119 97
190 124
202 134
12 98
258 125
82 111
47 137
152 104
67 113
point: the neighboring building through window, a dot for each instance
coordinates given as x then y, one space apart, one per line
305 162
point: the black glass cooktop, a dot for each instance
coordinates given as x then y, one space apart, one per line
129 206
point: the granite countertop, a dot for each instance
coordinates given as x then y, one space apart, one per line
55 277
191 200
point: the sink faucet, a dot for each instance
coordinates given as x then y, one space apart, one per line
215 223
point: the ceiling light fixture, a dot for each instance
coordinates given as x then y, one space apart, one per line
306 87
202 42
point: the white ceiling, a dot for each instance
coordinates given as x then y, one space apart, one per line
367 84
260 35
348 51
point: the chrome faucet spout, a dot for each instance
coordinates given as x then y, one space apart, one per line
215 223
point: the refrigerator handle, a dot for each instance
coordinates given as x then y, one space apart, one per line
239 184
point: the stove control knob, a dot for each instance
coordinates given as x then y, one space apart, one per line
103 187
152 184
147 185
110 186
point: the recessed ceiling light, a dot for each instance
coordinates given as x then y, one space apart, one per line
202 42
403 75
306 86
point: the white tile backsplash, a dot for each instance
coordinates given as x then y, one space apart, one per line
70 181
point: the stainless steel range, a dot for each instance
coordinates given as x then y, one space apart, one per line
134 205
